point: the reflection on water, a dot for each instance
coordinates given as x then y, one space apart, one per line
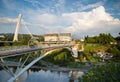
74 75
40 75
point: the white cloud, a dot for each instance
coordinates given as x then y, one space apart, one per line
92 5
78 23
59 6
8 20
12 5
36 3
81 7
96 21
44 18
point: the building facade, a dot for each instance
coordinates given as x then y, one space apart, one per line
62 37
51 37
65 37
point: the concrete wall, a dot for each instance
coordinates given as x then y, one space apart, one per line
51 38
58 37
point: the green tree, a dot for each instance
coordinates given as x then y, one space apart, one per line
60 57
114 51
101 39
105 73
6 44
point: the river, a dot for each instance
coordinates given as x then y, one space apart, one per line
41 75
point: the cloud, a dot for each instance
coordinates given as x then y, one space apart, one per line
10 4
59 6
82 7
44 18
95 21
8 20
90 6
78 23
50 6
36 3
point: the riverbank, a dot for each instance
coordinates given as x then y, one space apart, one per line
52 68
85 69
106 73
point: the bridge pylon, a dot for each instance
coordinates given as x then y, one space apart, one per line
17 28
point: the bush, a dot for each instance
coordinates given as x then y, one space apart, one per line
114 51
106 73
60 57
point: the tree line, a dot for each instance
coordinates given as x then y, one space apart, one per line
23 39
101 39
105 73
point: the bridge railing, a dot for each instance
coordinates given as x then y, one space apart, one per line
26 46
23 49
12 48
53 45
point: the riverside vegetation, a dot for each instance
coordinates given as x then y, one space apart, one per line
108 72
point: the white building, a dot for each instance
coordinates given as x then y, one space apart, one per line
51 37
62 37
65 37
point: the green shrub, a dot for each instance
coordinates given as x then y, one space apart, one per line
106 73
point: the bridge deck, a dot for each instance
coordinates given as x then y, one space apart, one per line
23 50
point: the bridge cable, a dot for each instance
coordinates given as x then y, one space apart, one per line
18 65
28 30
25 61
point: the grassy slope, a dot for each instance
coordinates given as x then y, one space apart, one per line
96 48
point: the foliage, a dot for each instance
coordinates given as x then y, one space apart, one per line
115 51
23 39
6 44
95 47
61 57
106 73
90 58
81 57
76 64
16 43
90 49
101 43
117 38
8 37
101 39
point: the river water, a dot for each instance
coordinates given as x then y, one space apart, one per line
40 75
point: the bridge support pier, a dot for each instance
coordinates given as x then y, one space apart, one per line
75 52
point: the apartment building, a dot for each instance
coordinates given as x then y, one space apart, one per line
63 37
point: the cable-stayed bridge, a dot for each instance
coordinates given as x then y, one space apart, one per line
19 50
15 51
22 50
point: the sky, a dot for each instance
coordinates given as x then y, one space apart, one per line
79 17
